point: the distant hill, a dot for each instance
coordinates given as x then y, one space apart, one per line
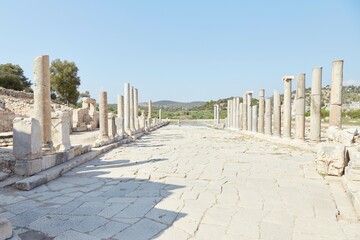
173 104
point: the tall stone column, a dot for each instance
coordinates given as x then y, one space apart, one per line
136 109
42 100
132 119
231 113
268 117
236 112
336 93
127 108
103 116
300 107
315 108
160 113
228 114
119 121
261 110
254 118
287 106
218 113
150 113
249 110
215 120
244 112
277 114
241 105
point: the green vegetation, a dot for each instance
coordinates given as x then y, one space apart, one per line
64 81
12 77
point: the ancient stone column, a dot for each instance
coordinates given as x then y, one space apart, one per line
228 114
261 110
336 93
231 113
254 118
150 113
215 120
236 112
120 106
119 121
249 110
103 116
315 108
127 108
287 106
136 109
160 117
268 117
132 110
300 107
277 114
42 100
217 114
244 113
241 105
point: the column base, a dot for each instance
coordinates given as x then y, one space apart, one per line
28 167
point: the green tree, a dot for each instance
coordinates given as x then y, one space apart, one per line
12 77
65 81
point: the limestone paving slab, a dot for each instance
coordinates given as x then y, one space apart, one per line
188 183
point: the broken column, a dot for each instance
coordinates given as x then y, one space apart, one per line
336 93
42 100
254 118
112 126
244 113
27 146
287 106
268 117
60 130
300 107
261 110
136 109
315 109
142 120
277 114
127 109
249 110
103 117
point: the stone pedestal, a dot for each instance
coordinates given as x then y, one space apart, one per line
27 146
300 107
249 110
261 110
254 118
268 117
315 108
42 100
103 117
127 109
277 114
60 130
287 106
336 93
244 113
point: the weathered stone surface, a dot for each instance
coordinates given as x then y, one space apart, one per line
346 136
112 126
5 228
60 131
28 167
27 138
330 158
315 118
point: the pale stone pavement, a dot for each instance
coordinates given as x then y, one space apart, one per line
187 183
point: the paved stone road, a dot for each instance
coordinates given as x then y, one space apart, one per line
186 183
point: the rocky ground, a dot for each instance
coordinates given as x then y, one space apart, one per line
187 183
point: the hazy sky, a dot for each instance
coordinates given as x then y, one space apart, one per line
184 50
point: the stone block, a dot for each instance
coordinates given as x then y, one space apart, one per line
70 153
112 132
77 150
119 123
28 167
352 171
60 130
31 182
5 229
346 137
330 158
48 161
27 139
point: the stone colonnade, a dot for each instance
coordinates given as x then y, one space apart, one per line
273 118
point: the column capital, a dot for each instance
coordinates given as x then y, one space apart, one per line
287 78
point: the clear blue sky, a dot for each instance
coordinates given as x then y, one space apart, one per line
184 50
